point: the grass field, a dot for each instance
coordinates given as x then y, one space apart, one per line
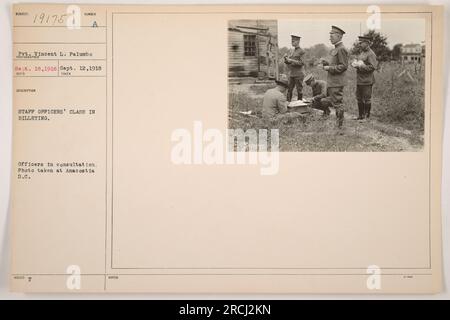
397 122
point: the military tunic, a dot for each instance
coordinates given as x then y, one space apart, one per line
296 73
364 74
338 65
319 91
274 103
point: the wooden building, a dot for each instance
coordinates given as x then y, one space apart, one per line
412 53
253 49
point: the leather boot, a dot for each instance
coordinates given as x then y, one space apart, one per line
289 95
368 106
339 118
361 111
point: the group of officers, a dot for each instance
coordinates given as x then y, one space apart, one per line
327 93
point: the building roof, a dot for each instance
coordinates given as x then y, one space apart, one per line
412 45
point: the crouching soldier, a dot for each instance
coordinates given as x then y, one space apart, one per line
319 92
275 103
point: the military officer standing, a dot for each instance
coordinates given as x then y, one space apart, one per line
365 67
319 92
336 67
295 64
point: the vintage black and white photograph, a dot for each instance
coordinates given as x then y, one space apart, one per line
329 85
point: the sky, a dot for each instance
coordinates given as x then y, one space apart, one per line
317 31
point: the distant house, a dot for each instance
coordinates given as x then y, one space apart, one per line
412 53
253 48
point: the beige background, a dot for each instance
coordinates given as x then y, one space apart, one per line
310 215
229 216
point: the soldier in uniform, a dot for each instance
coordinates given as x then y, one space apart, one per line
274 101
365 77
319 92
336 67
275 105
294 62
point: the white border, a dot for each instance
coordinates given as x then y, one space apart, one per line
5 159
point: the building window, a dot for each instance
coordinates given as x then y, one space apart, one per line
249 45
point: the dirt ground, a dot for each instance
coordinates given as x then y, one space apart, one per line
316 133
